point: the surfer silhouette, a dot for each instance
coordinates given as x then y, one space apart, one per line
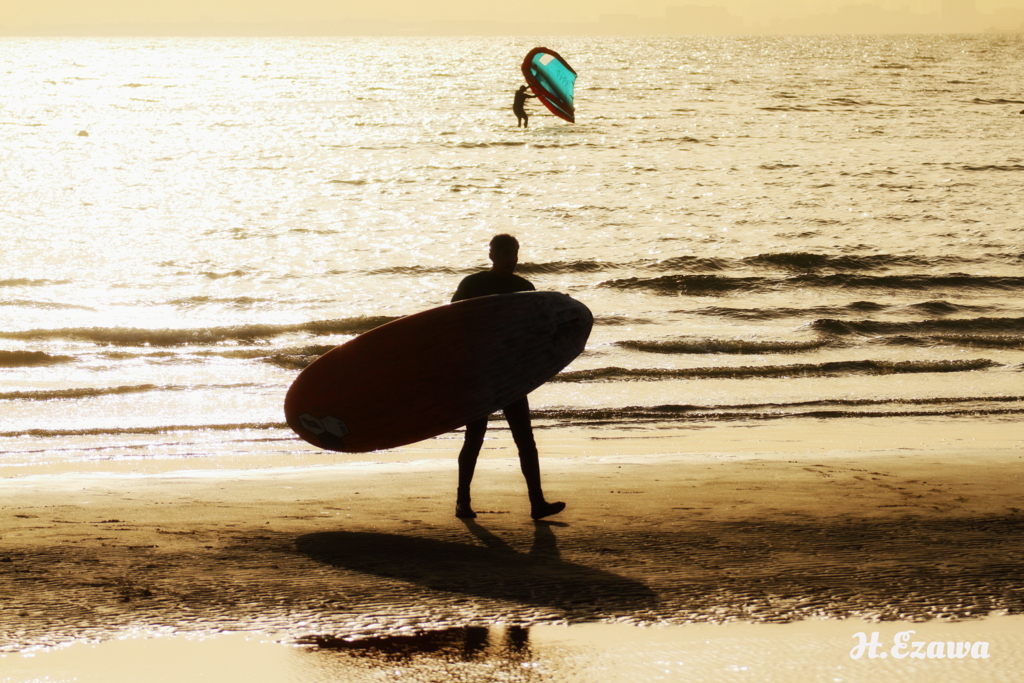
518 106
501 279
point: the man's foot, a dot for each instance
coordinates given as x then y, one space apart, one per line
464 511
546 509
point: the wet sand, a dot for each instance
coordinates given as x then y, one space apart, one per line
812 650
762 525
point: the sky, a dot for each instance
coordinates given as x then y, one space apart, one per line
490 17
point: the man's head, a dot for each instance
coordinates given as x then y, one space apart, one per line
504 254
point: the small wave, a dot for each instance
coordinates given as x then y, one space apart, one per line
865 306
558 145
233 302
25 282
808 261
218 276
728 346
289 359
94 392
415 271
918 327
691 263
778 313
943 308
128 336
615 320
789 108
156 429
983 341
583 266
958 281
46 305
830 369
993 167
898 186
296 359
28 359
676 140
484 145
710 285
1011 258
824 409
696 285
845 102
978 100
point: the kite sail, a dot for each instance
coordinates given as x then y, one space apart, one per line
552 81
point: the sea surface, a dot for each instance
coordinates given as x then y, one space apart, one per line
766 228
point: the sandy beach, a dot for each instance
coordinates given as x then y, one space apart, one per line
758 524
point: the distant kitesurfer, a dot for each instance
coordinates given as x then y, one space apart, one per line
522 118
501 279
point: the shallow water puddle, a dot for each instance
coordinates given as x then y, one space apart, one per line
990 649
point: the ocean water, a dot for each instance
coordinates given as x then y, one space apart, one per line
766 228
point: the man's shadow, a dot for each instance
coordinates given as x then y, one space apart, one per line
492 570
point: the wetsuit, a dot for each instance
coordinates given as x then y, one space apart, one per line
516 413
487 282
518 107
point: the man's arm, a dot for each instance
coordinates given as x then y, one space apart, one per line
464 290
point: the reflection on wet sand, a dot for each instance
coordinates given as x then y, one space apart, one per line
607 653
504 653
803 652
467 642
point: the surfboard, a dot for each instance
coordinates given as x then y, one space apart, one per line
435 371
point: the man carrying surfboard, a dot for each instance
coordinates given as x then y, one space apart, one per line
501 279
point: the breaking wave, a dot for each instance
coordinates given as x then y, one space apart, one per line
823 409
834 326
93 392
830 369
711 285
23 359
129 336
728 346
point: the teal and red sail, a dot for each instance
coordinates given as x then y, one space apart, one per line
552 80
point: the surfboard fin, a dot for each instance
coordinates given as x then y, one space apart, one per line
329 430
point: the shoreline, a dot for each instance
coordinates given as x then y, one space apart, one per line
194 450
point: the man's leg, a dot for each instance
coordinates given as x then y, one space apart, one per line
474 441
518 416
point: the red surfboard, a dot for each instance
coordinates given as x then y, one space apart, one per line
435 371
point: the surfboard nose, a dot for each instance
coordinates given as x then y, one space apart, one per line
574 325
